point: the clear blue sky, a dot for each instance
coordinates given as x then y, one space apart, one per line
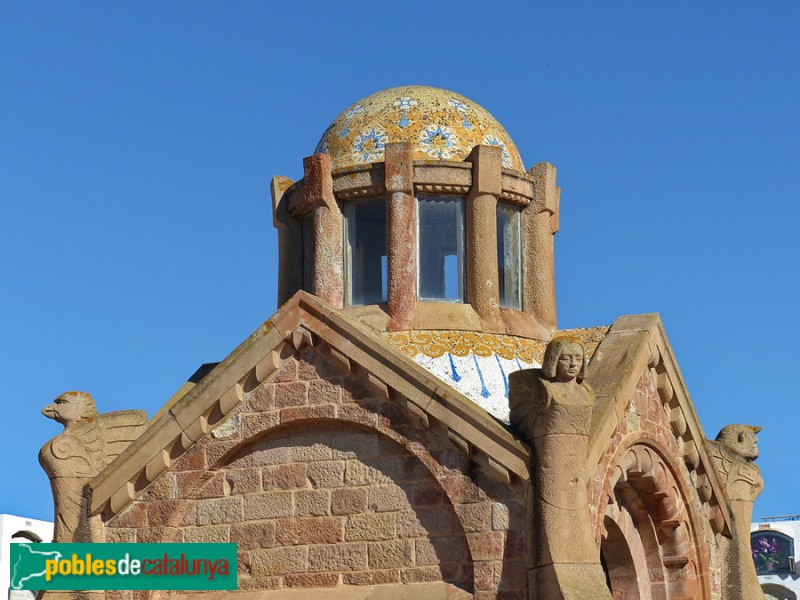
138 139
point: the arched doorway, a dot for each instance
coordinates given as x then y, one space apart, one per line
649 546
623 575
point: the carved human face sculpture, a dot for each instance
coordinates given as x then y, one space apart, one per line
569 362
68 408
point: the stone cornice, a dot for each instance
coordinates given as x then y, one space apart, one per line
430 177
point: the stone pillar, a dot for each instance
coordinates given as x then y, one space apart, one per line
401 237
482 276
540 224
328 275
733 453
552 408
290 241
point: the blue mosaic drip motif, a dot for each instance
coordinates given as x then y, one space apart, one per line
357 109
369 145
454 374
491 140
404 104
484 390
503 373
519 366
462 108
439 141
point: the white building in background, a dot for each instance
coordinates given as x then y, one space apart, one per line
13 530
775 543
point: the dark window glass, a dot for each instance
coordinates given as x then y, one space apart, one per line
508 255
441 248
308 252
365 250
772 551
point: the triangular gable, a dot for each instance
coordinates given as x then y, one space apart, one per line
634 345
304 320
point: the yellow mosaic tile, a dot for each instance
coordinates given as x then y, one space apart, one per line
436 343
440 125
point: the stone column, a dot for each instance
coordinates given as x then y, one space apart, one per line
482 276
328 275
401 237
733 453
552 408
540 224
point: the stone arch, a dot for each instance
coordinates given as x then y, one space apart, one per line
364 508
650 528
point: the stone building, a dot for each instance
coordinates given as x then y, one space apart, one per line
403 425
774 543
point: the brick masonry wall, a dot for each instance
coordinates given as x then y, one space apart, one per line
321 482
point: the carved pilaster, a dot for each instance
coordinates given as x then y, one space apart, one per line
402 236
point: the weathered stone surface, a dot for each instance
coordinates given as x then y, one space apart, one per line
387 555
338 557
319 502
253 535
310 503
211 534
89 442
348 501
371 527
268 505
279 561
324 530
552 408
219 510
285 477
734 453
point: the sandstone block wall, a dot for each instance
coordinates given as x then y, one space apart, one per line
324 482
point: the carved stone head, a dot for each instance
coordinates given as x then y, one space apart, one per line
71 408
741 439
564 359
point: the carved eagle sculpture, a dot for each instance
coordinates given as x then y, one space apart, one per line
88 444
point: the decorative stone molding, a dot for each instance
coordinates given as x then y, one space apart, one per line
634 345
660 556
438 188
210 402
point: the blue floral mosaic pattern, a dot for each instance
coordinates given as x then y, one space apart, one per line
369 144
438 123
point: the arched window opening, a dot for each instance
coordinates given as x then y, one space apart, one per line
441 248
772 552
366 267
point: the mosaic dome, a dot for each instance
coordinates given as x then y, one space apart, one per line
440 124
